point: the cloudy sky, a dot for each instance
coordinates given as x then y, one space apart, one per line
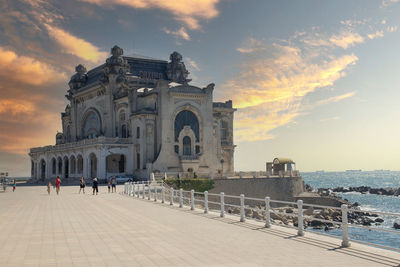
314 80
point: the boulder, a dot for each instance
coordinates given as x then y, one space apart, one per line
257 215
396 226
309 211
397 192
289 210
248 213
379 220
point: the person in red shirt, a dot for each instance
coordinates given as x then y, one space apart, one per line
57 184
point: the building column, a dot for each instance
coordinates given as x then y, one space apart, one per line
101 163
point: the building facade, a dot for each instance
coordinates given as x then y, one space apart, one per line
135 115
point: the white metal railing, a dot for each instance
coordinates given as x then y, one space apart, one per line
150 190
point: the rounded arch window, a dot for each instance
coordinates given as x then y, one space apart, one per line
187 146
92 125
186 118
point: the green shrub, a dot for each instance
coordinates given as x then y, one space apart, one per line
198 184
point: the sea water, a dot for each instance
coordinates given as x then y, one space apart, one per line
368 202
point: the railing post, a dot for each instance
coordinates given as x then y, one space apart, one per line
162 194
180 198
222 205
144 190
155 193
345 228
242 215
192 199
171 197
267 213
138 190
206 202
149 196
300 219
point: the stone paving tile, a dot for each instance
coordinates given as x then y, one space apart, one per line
74 229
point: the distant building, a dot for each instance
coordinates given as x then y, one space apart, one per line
135 115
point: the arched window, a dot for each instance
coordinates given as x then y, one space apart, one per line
32 168
42 169
66 167
186 118
123 131
59 170
53 166
80 164
187 146
73 164
92 125
137 132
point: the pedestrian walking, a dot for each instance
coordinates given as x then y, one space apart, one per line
109 185
95 186
82 185
14 185
58 184
48 187
113 184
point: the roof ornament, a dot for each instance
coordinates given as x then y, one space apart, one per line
176 70
79 79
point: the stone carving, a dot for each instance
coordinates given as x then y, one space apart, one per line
117 65
176 70
68 110
59 138
79 79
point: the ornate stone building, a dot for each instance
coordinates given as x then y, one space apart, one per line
135 115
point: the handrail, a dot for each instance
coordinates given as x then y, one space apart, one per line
143 189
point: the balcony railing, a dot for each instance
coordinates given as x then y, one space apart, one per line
84 142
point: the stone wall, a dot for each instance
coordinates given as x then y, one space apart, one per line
276 188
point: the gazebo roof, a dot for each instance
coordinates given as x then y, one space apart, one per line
282 160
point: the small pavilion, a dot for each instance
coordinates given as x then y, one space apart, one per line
280 167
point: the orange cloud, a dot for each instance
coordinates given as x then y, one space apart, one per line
189 12
76 46
181 33
25 124
27 70
269 90
336 98
252 45
346 39
377 34
16 106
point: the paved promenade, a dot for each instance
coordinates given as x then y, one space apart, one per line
115 230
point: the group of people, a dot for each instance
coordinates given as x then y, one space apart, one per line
112 185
